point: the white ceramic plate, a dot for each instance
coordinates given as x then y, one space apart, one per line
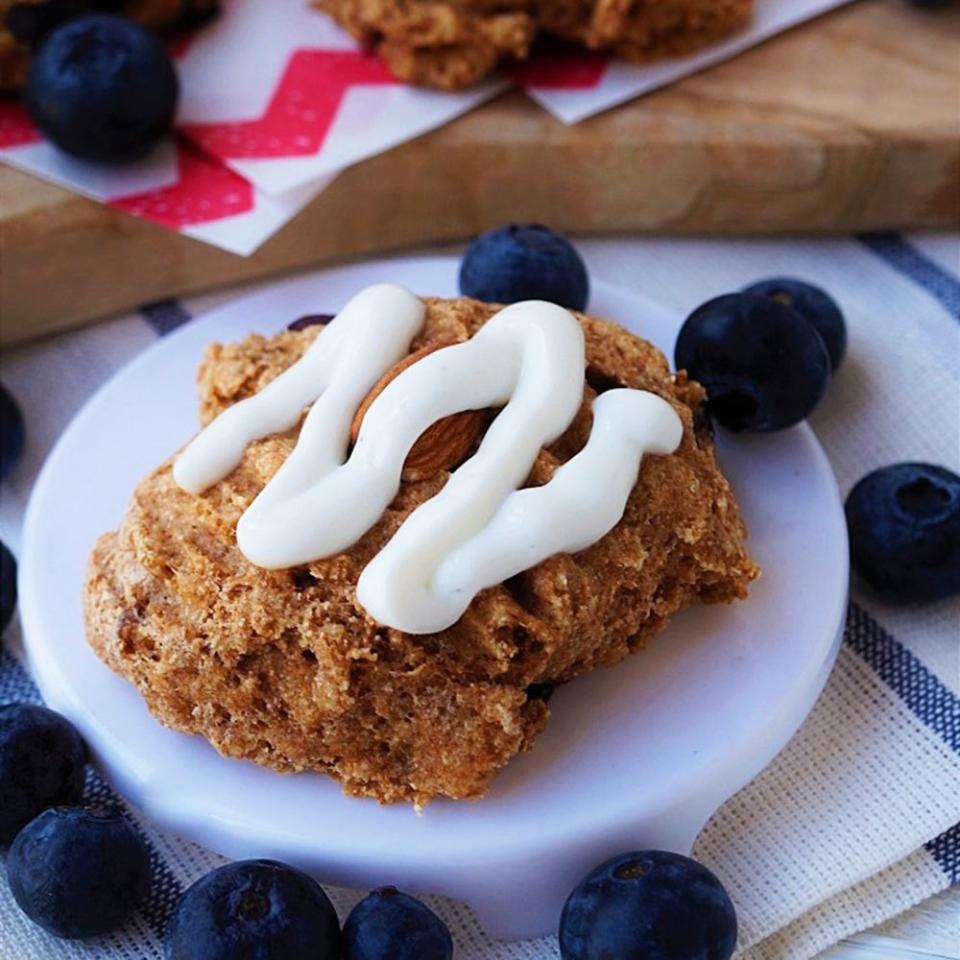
635 756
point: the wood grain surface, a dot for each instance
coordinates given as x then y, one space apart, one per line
848 123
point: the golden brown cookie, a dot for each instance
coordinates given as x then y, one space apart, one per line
451 44
642 30
284 667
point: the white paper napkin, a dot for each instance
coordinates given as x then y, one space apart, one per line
277 100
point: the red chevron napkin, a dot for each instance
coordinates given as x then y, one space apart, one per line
277 100
178 186
274 105
285 100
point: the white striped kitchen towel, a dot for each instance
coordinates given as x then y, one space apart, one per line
857 820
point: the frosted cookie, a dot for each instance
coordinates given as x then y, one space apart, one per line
375 613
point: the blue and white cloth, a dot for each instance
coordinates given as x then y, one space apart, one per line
858 819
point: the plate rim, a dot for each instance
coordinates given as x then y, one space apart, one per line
162 809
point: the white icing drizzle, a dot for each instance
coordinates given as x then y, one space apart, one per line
530 354
479 529
369 335
425 577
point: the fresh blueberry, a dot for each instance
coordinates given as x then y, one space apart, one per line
310 320
102 88
524 263
390 925
813 303
11 433
650 905
78 873
8 587
253 910
42 761
763 366
904 523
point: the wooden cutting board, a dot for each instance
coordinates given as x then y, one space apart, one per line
848 123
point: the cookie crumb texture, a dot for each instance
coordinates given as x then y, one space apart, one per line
24 23
286 669
451 44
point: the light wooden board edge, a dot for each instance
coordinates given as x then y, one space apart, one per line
787 138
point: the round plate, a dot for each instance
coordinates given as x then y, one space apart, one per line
635 756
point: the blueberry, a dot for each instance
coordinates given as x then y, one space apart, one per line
390 925
310 320
763 366
650 905
42 761
904 523
11 433
524 263
78 873
8 586
253 910
815 305
102 88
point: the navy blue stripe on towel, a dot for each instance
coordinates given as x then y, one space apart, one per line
17 687
945 849
904 257
920 690
15 683
165 316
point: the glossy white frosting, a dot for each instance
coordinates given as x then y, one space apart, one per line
479 529
442 556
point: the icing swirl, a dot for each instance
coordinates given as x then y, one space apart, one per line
479 529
